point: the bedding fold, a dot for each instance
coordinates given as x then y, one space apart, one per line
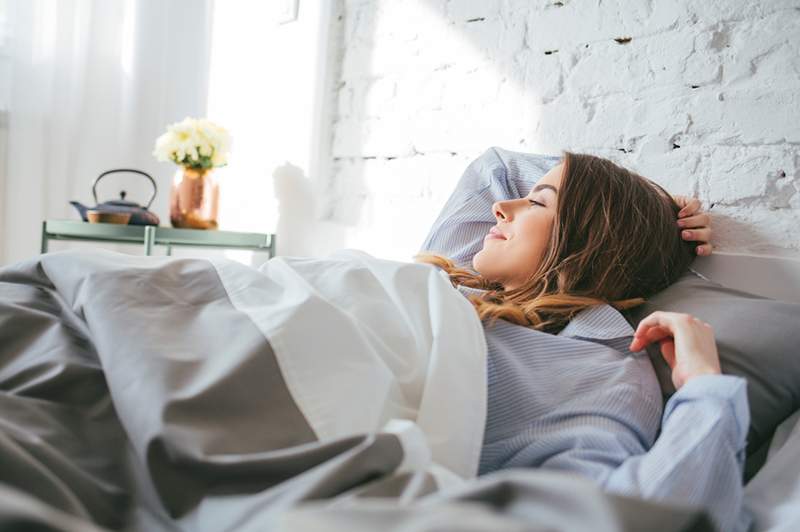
147 393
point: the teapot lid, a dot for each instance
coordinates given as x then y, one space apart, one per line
122 202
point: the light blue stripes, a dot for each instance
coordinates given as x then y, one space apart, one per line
579 401
538 382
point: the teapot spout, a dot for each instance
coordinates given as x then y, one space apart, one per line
81 208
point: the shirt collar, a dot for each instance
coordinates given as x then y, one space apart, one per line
598 322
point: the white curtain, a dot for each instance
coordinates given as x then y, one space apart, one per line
93 83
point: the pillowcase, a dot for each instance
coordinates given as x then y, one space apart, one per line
757 338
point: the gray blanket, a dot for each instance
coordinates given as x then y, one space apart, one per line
125 404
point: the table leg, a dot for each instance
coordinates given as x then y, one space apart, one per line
169 249
149 238
45 237
272 246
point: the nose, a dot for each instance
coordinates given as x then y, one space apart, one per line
503 210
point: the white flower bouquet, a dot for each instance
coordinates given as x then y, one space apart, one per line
194 143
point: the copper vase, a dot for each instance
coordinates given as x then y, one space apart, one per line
194 199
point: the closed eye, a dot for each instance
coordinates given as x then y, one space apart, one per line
537 203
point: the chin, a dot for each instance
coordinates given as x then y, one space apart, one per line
479 263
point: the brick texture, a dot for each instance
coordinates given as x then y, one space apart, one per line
700 96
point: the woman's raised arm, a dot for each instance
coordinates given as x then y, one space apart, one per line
500 174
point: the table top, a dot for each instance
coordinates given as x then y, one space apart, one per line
79 230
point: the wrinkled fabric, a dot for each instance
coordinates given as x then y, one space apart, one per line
136 395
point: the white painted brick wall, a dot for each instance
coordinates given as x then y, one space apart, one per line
702 96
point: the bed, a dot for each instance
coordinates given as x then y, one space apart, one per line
769 276
773 494
151 394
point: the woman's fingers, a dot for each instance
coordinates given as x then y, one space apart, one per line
656 319
653 334
689 206
696 235
668 351
704 250
657 327
697 228
647 332
695 221
687 344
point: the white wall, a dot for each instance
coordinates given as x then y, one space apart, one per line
704 98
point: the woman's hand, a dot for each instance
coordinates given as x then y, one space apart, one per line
696 225
687 344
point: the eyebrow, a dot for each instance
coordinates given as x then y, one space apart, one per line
537 188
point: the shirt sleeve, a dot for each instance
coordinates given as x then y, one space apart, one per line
698 459
467 215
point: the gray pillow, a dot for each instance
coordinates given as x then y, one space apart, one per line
757 338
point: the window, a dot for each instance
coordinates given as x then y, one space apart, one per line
5 63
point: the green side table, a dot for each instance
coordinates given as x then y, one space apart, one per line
151 235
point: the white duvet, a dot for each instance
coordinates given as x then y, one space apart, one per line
370 345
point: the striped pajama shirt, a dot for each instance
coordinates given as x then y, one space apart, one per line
579 401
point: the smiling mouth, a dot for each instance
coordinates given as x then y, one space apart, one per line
494 232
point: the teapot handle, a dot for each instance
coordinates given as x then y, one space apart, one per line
152 181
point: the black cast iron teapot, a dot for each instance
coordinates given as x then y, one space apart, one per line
139 215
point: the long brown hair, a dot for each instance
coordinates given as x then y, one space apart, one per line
614 240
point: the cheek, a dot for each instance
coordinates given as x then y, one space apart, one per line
533 237
519 256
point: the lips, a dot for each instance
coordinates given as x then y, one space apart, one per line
494 232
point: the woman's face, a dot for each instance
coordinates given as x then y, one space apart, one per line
515 246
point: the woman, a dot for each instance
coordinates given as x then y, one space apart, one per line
569 386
